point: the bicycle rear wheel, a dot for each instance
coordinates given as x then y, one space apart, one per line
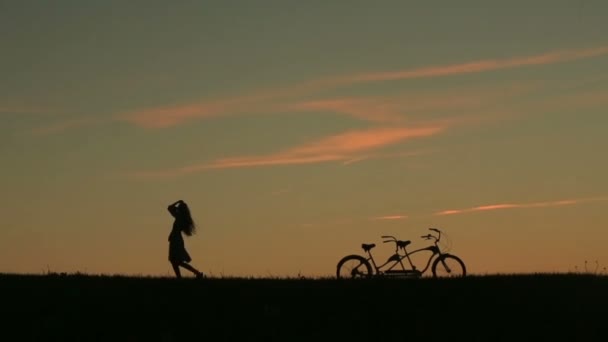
353 267
448 266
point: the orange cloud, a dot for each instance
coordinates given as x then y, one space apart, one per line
376 155
340 147
478 66
276 159
380 109
393 109
368 109
168 116
391 217
363 140
520 205
266 100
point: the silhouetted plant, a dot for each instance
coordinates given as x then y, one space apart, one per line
588 269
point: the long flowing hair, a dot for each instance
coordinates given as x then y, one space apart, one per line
187 224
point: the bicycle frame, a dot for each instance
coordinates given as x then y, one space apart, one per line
397 259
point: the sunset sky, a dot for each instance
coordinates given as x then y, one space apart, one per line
297 130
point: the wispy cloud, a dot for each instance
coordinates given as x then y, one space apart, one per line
364 140
167 116
269 100
501 206
390 217
477 66
277 99
346 146
368 109
404 107
376 155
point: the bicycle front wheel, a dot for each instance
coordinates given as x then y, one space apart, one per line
449 266
352 267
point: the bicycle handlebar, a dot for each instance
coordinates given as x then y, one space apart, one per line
426 237
392 238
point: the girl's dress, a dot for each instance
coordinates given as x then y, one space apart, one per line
177 249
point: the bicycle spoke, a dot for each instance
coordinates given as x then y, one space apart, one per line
354 269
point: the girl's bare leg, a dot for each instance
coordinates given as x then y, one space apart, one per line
178 273
191 269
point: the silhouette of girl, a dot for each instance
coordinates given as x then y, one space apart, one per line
178 256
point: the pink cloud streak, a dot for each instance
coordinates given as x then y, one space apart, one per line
391 217
492 207
393 109
363 157
368 109
163 117
168 116
479 66
341 147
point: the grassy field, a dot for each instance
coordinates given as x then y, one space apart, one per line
540 307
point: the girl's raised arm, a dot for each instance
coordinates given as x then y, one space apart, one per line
173 207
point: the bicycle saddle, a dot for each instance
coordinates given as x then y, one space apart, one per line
367 247
402 244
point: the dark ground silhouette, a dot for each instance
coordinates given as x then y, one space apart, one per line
490 308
